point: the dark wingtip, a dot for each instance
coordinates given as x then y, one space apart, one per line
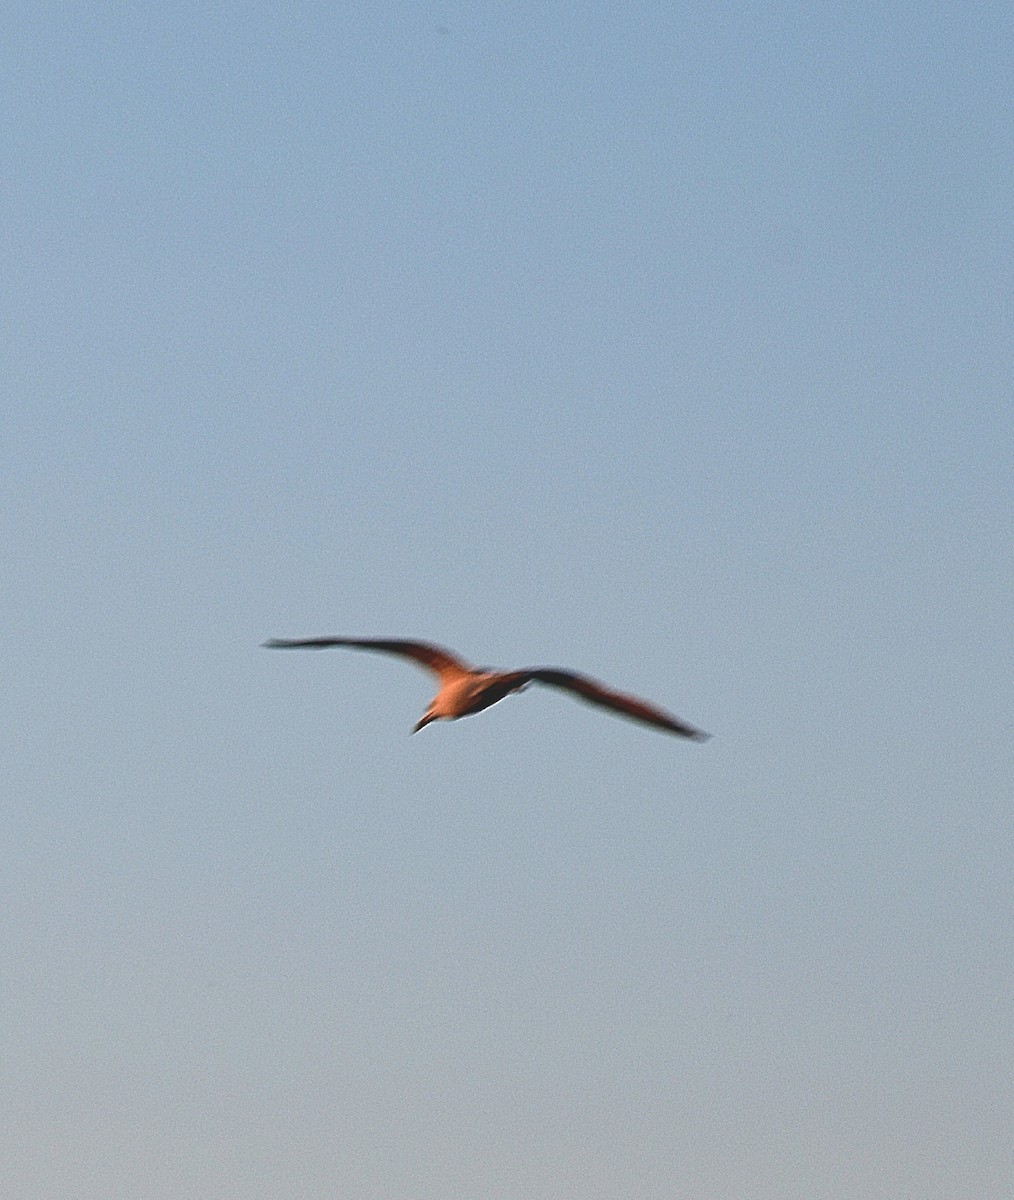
690 734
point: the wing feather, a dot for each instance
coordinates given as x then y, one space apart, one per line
434 658
628 706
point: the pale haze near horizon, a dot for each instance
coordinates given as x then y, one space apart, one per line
667 343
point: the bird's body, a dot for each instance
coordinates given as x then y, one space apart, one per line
465 689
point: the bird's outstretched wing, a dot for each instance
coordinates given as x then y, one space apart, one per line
435 658
627 706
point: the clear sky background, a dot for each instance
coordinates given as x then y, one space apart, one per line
668 341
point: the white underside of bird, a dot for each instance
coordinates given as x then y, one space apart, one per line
465 689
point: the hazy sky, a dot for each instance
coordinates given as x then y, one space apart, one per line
669 342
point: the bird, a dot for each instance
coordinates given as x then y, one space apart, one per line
465 689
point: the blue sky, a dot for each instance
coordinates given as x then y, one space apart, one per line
671 343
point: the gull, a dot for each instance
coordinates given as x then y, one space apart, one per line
465 689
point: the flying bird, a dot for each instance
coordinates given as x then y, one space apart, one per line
465 689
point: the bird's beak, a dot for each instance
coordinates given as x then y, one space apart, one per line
423 720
